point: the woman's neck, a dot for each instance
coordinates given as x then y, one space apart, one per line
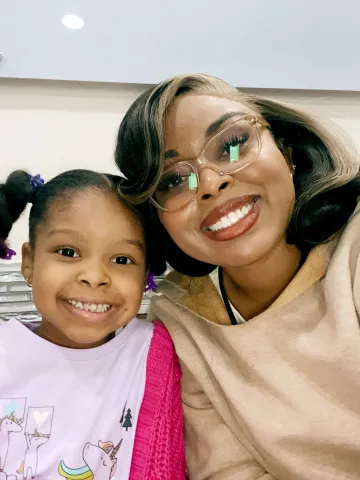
252 289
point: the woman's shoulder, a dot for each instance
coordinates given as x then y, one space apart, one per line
349 237
182 299
176 284
178 280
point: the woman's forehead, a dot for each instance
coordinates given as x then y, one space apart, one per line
193 118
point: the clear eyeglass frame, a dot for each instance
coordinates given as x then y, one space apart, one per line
201 161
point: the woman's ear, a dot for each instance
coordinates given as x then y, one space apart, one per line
287 152
27 263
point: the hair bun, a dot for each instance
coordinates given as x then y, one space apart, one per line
18 192
15 193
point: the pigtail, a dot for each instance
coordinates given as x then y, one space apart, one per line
15 193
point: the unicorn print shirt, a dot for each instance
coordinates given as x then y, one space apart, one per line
70 414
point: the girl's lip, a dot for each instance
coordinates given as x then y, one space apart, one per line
91 301
230 206
88 316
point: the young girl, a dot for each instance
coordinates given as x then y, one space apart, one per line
91 392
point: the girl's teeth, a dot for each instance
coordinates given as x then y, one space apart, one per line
90 307
232 218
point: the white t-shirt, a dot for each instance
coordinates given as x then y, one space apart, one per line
214 275
67 413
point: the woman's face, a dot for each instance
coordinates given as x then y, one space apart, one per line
264 187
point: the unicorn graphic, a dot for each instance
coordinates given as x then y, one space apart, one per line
100 463
30 462
8 424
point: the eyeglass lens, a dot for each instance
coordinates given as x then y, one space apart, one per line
232 149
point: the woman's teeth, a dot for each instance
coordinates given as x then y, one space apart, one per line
90 307
231 218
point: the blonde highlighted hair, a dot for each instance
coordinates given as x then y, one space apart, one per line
327 171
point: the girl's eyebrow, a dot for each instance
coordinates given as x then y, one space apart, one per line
130 241
56 231
136 243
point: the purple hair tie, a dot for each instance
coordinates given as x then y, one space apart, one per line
9 253
151 284
36 181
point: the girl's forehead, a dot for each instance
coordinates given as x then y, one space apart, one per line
93 212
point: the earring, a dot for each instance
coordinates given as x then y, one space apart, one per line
292 173
27 283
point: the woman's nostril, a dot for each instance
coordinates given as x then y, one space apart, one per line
206 196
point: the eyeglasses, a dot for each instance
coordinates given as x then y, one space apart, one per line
233 148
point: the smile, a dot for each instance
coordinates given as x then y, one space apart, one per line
231 218
90 307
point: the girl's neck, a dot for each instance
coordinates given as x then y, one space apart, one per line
252 289
48 332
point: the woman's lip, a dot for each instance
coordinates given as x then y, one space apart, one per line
238 229
230 206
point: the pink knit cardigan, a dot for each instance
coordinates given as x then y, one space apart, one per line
159 452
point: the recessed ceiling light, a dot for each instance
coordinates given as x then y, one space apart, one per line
73 22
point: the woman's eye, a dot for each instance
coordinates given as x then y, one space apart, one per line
236 140
122 260
67 252
170 181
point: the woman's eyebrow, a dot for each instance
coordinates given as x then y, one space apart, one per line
171 154
214 126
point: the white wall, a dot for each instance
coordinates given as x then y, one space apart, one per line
49 127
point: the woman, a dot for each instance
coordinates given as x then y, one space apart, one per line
256 205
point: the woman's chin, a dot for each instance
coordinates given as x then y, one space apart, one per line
237 253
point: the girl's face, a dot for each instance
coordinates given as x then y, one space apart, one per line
87 269
264 188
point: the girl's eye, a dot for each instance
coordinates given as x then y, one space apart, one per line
67 252
122 260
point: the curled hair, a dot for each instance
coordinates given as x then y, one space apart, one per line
326 180
17 192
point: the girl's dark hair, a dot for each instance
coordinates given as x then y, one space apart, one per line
326 180
17 192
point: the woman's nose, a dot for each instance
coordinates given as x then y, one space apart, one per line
212 183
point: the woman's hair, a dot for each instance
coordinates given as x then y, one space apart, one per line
17 192
326 180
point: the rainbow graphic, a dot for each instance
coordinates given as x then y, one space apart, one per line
83 473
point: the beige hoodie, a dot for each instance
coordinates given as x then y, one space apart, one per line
278 397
